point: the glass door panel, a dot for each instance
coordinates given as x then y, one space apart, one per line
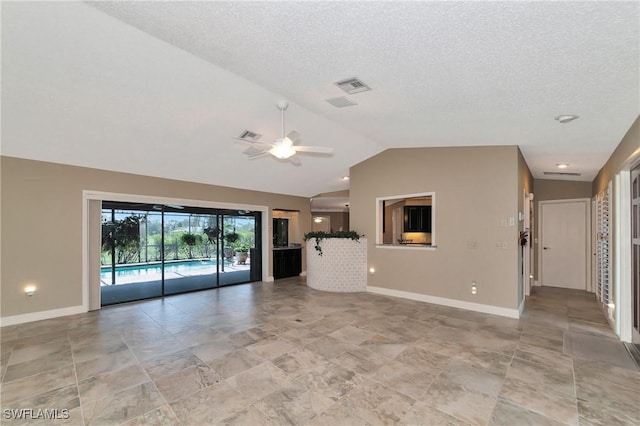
126 274
239 245
191 254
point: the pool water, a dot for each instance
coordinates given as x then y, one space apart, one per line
147 272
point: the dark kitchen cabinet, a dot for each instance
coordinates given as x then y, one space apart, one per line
287 262
417 218
280 232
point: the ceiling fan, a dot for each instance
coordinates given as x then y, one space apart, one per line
283 148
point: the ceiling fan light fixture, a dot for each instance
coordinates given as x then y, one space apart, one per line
282 149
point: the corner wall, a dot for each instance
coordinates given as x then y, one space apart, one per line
625 153
616 170
476 189
525 186
41 221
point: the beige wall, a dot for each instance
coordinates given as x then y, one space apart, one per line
339 221
625 153
549 189
525 186
42 224
475 189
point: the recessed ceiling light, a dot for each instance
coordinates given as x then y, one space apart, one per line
566 118
562 165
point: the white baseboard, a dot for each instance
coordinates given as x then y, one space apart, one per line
42 315
269 280
454 303
303 273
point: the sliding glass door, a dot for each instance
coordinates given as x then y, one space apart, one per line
155 250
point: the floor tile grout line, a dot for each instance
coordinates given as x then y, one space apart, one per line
513 356
150 380
75 373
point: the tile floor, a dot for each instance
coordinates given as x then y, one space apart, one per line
277 354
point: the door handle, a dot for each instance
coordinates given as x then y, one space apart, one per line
546 248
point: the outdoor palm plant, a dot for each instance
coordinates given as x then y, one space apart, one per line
122 237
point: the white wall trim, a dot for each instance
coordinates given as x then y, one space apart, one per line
404 247
623 313
454 303
85 250
378 208
42 315
521 307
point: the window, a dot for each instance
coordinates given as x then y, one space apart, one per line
406 221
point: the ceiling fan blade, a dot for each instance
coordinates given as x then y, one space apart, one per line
258 155
315 149
294 136
247 142
253 152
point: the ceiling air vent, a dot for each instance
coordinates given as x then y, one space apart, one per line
562 173
341 102
352 85
248 134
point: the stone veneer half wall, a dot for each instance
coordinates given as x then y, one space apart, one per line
342 268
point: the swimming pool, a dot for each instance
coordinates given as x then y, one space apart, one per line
151 272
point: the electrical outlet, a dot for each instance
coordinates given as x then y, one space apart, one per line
474 287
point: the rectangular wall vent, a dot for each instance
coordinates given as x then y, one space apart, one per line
248 134
562 173
341 102
352 85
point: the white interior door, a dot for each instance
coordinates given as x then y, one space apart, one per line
563 236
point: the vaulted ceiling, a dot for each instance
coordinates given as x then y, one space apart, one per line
161 88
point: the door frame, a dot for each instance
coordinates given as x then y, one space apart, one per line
587 225
634 334
527 256
621 266
91 241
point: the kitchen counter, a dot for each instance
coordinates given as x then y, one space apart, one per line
288 248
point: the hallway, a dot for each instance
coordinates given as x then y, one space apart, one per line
281 353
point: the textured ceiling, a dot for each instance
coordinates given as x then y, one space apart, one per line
84 88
